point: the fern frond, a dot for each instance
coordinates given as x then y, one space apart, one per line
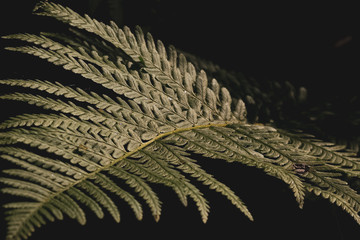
326 184
125 170
88 201
108 184
56 105
188 166
232 150
160 111
154 58
336 157
100 197
128 115
158 160
36 164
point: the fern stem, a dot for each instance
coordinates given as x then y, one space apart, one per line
163 135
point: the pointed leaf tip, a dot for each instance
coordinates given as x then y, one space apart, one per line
250 217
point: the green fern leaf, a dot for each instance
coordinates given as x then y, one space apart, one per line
160 112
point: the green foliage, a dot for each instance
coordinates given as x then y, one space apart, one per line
161 111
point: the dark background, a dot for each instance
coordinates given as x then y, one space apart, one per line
311 45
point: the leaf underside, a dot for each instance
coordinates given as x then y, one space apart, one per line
161 111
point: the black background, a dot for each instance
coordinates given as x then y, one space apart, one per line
301 43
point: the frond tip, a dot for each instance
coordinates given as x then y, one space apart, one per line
161 112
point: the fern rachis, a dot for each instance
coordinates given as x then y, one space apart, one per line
160 112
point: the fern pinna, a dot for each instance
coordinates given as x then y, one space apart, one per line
161 111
